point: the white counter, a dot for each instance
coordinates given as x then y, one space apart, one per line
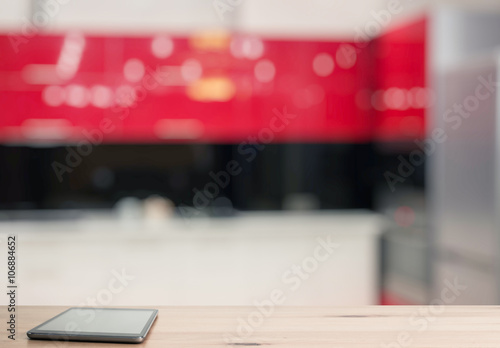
227 261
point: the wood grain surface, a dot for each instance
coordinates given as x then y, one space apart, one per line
377 326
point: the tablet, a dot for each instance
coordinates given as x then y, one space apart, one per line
97 325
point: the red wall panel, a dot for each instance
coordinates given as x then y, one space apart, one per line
401 95
208 88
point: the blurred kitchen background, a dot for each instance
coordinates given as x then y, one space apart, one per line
201 151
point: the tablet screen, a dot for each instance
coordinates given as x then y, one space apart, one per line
98 320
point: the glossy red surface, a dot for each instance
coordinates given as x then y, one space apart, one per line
401 95
60 88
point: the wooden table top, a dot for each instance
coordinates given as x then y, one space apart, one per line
377 326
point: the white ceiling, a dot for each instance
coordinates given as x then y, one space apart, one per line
282 18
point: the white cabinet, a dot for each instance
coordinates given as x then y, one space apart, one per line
230 261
